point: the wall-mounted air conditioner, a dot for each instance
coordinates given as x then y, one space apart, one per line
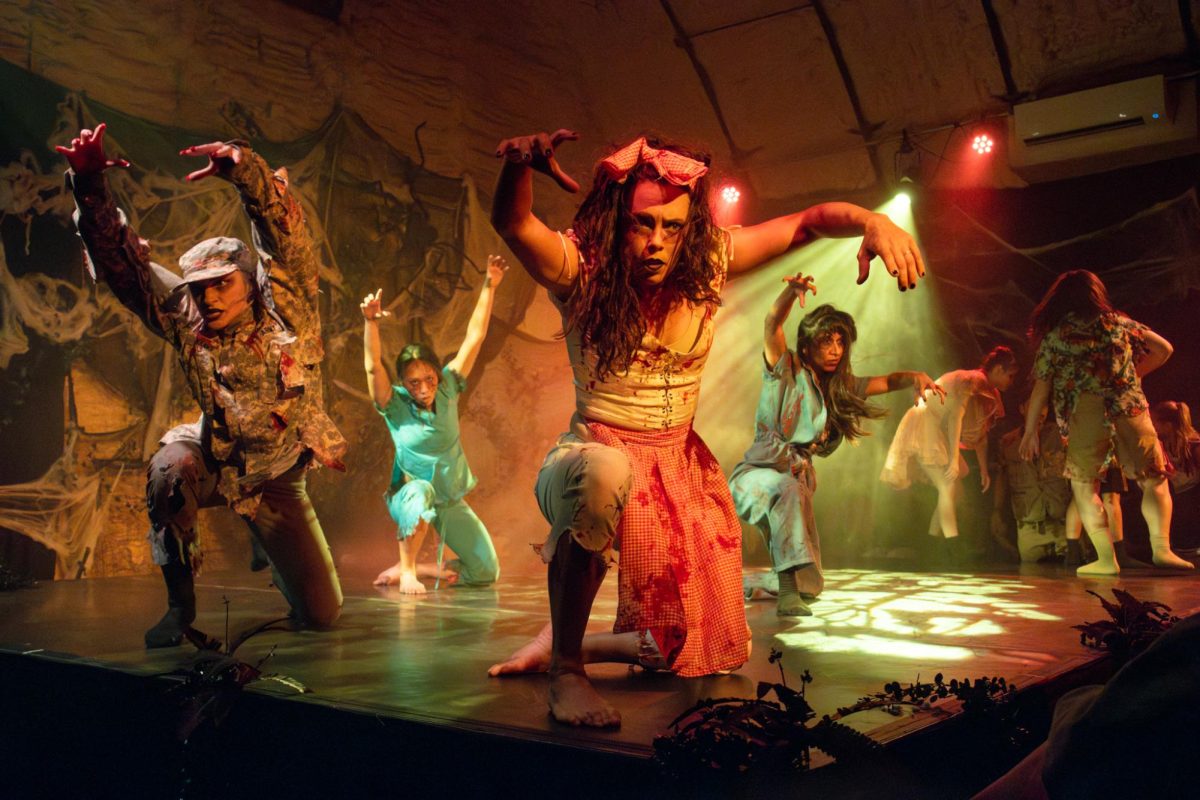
1128 123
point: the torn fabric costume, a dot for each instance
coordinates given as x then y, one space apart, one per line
258 383
431 478
632 475
773 485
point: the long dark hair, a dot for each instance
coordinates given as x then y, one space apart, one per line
604 307
1173 422
1077 292
844 408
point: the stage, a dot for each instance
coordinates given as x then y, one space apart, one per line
411 672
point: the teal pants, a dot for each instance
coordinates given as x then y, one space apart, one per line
456 524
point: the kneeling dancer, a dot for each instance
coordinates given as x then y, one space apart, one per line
810 402
248 338
638 282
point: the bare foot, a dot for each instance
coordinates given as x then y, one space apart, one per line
533 657
431 571
573 701
394 576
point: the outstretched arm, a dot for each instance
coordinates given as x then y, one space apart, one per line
550 259
115 253
756 245
378 383
464 361
895 381
774 339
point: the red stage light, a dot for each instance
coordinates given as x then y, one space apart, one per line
730 194
982 144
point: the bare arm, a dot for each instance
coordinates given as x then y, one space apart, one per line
894 381
756 245
550 259
378 383
1158 350
464 361
774 339
981 450
1030 444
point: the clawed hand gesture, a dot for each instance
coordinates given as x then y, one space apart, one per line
899 251
496 267
86 153
537 151
221 157
801 284
372 307
922 383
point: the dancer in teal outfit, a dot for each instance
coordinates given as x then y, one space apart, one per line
810 403
430 475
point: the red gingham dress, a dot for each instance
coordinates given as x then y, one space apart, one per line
680 547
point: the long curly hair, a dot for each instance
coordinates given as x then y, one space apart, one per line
1079 292
605 306
844 408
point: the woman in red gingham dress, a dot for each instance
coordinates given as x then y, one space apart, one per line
638 281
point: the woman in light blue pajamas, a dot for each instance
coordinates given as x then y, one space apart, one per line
810 402
430 475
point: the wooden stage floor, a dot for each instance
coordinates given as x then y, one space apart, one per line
424 659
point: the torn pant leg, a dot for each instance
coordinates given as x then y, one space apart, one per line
581 490
780 505
409 505
179 481
287 526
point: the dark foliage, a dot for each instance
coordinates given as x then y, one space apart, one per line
1132 626
733 736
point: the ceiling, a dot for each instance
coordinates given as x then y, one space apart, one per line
797 99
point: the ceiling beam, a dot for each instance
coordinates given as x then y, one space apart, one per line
866 129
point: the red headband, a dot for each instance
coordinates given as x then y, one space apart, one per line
673 167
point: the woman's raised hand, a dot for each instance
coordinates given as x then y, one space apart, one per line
372 307
801 284
221 157
86 153
537 151
496 267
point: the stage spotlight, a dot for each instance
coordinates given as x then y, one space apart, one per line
730 194
982 144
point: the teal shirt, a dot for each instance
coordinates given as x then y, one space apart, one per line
790 411
428 444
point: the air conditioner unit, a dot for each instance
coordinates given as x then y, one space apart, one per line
1115 126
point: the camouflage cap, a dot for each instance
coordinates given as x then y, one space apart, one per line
213 258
